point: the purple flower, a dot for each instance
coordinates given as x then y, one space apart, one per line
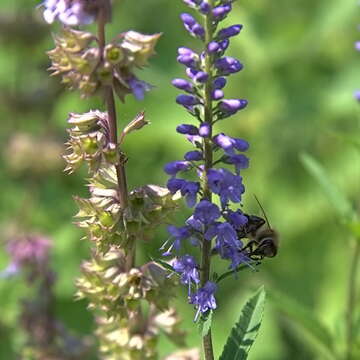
187 267
70 12
219 83
201 77
204 130
217 94
231 106
187 129
188 57
221 11
32 249
226 237
236 218
183 84
192 26
205 7
229 31
357 45
227 185
206 212
228 65
239 160
174 167
228 144
235 256
357 95
204 299
193 155
178 234
213 47
187 100
188 189
139 87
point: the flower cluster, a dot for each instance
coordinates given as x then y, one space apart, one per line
88 68
73 12
214 167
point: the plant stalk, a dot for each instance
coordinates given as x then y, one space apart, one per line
112 121
352 298
208 156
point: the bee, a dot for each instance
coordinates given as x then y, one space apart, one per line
263 242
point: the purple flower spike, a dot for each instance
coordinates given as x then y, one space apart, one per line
206 212
187 100
174 167
204 130
187 129
229 31
193 155
228 65
183 84
71 13
204 299
231 106
187 267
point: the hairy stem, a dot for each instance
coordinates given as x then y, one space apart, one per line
208 156
111 110
352 297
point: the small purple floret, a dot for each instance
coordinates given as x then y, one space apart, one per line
206 212
187 100
228 65
174 167
187 267
229 31
231 106
204 299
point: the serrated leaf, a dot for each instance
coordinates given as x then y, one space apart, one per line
244 333
320 335
206 325
341 204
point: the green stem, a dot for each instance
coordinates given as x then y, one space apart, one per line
352 297
208 156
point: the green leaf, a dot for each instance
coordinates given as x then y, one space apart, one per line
318 334
163 264
244 333
341 204
206 325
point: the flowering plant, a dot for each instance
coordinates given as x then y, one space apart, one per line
115 219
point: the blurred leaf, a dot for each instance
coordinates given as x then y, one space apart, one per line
303 317
163 264
244 333
341 204
354 227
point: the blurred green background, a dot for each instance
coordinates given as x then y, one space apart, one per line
300 72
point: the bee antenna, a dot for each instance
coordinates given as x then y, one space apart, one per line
263 211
